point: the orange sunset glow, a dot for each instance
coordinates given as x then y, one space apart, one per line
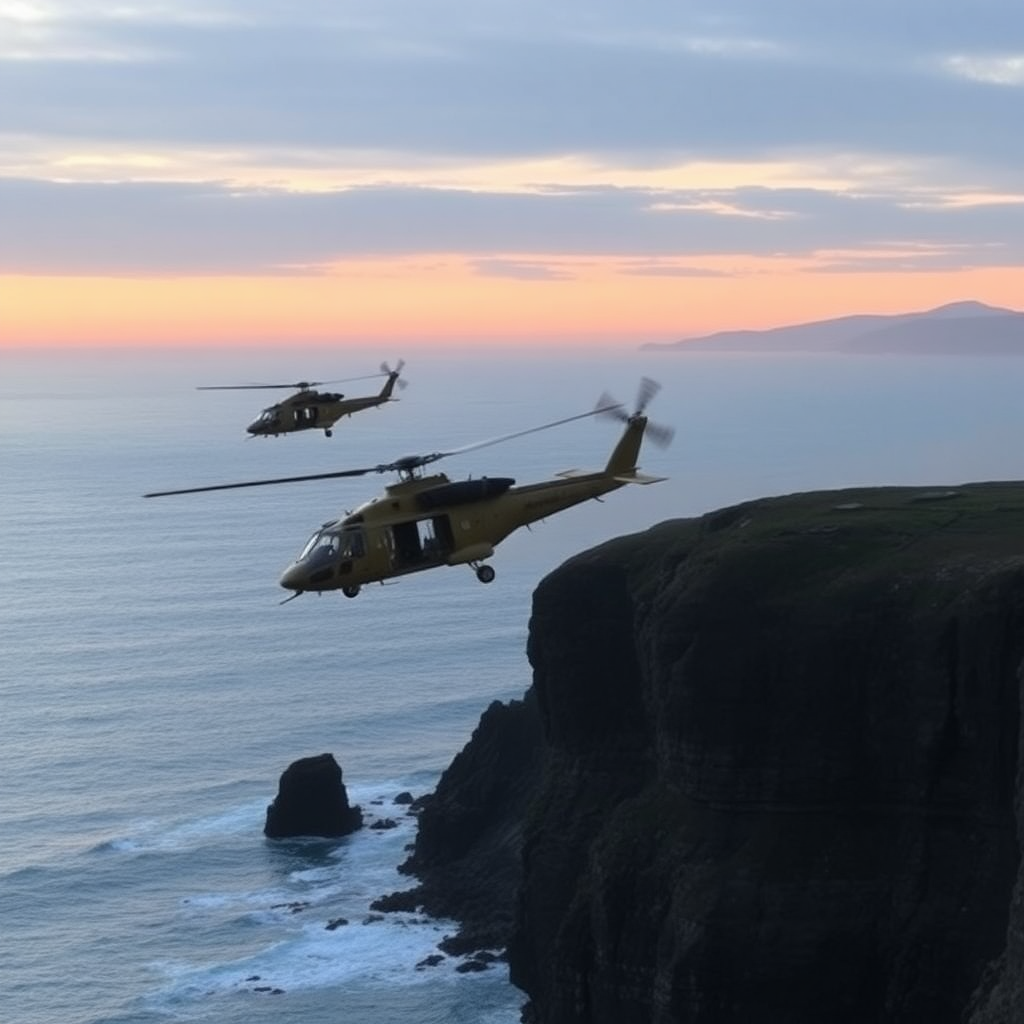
445 299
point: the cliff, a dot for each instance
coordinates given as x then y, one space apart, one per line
468 848
779 774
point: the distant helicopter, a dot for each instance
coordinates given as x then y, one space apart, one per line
314 410
423 522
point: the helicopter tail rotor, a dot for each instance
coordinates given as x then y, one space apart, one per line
659 434
399 380
648 389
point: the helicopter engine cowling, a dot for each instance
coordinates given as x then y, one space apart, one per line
463 492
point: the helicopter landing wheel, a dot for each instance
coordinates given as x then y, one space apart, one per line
351 591
484 573
328 433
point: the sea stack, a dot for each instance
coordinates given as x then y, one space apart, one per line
312 801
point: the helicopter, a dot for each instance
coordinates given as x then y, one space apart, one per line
424 521
308 409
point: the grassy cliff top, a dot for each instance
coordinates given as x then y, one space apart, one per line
778 542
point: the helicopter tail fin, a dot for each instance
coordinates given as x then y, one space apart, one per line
622 462
393 379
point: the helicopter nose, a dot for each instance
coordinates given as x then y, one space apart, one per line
293 578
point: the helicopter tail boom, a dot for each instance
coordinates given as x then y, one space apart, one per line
622 462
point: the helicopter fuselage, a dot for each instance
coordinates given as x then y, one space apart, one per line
309 410
425 522
318 410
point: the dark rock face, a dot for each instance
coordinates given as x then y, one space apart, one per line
467 853
312 801
780 768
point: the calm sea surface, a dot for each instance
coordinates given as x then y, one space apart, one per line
152 687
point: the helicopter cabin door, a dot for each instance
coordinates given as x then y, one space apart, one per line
422 542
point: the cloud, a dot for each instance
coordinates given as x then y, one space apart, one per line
214 228
228 137
999 70
667 268
522 270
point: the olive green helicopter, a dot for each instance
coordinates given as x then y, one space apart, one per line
309 409
427 521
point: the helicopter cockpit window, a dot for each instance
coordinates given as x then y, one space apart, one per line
346 543
320 539
309 545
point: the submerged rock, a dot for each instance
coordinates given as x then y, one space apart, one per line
312 801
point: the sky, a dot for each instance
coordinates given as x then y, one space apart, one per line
266 172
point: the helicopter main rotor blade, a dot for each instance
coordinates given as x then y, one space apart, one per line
406 464
263 483
519 433
348 380
244 387
302 385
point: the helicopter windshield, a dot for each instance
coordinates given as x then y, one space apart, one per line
346 543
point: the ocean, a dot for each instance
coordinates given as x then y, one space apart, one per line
153 687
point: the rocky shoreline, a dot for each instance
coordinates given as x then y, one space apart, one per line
767 771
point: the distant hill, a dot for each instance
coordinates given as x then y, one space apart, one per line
960 328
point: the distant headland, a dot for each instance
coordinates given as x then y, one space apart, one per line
959 328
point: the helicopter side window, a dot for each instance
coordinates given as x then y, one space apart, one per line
415 541
351 544
408 548
429 543
444 538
